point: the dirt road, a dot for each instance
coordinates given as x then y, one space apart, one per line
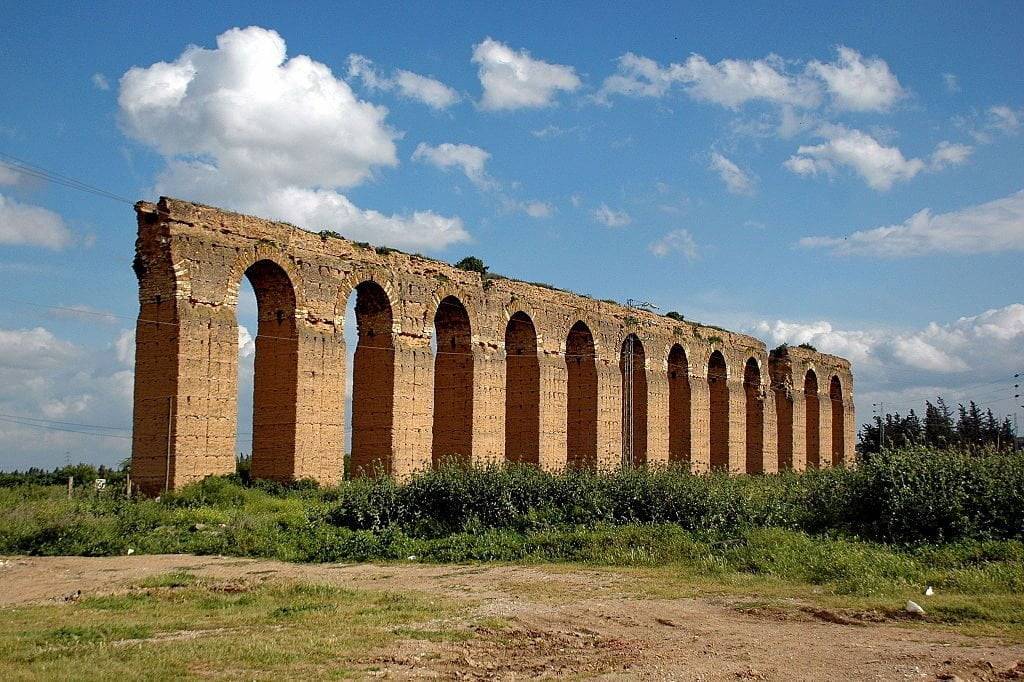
545 622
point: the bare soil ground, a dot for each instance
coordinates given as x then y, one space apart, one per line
530 622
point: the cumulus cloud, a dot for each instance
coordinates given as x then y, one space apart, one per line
246 343
467 158
736 180
730 82
851 82
1004 118
43 376
993 227
512 79
611 218
532 209
907 367
244 126
676 241
429 91
858 84
880 166
28 225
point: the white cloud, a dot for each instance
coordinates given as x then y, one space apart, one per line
971 350
245 127
512 79
730 82
951 82
607 216
879 165
25 224
736 180
100 82
9 176
246 343
676 241
858 84
467 158
533 209
33 349
429 91
950 154
993 227
124 347
1003 118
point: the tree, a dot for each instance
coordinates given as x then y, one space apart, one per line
472 264
938 424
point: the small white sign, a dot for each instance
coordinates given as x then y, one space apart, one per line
100 483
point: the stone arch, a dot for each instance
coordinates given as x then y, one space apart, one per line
718 394
754 400
812 422
275 375
350 284
835 394
633 371
581 398
679 424
453 383
373 381
246 259
522 390
439 299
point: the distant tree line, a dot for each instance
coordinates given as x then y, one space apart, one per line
969 427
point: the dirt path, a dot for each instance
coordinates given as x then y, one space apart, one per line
558 621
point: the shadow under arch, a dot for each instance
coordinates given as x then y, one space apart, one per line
373 382
452 437
275 373
718 393
633 370
522 391
754 401
835 394
812 423
679 426
581 398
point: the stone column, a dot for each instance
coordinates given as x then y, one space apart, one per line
320 404
488 404
737 425
657 413
700 424
414 406
553 407
799 431
609 414
771 435
850 433
824 429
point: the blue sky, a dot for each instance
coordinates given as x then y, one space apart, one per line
850 178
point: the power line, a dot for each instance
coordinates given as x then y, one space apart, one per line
32 170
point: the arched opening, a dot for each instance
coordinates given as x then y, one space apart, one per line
835 394
581 398
453 384
275 372
718 391
373 382
755 416
632 366
783 419
812 425
522 391
678 405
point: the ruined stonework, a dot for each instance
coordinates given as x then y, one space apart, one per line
521 372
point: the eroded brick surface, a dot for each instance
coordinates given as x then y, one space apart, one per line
523 372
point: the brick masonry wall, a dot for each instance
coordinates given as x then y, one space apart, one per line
413 406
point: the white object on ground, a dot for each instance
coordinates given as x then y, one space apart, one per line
929 592
915 608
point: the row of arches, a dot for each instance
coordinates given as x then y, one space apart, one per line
373 391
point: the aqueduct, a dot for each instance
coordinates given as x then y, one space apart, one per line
516 371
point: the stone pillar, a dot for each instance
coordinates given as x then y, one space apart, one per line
824 429
657 413
488 404
700 424
737 425
609 414
320 404
414 406
186 374
770 462
850 433
553 407
799 431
